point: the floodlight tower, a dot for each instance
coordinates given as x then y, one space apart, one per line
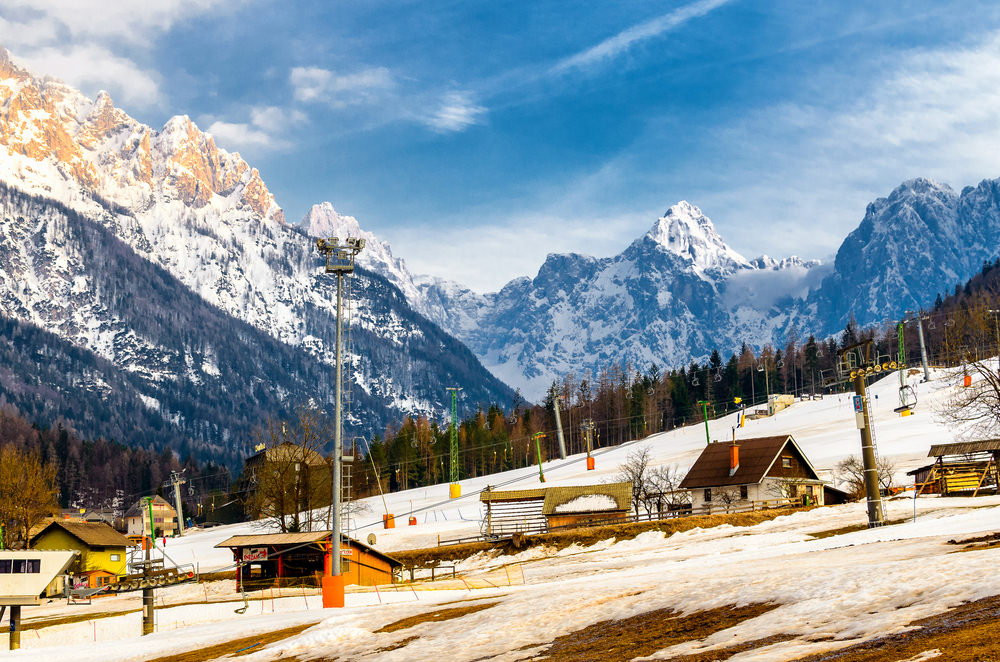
919 318
455 490
339 261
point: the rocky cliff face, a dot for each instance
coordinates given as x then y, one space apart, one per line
204 217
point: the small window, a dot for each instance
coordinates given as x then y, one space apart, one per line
102 580
786 462
5 565
20 566
116 557
34 566
708 494
345 565
743 492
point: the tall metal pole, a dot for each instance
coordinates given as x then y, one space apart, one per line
177 481
338 442
455 490
923 349
559 430
875 515
704 413
996 327
342 263
538 436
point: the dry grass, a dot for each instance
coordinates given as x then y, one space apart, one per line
589 536
644 634
230 647
964 634
40 623
852 528
432 616
989 541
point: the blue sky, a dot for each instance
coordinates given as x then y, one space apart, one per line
508 130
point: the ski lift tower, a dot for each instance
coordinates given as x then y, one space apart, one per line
455 489
855 364
340 262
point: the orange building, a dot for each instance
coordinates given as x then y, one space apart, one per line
295 558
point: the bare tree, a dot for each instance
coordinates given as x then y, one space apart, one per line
729 497
27 494
635 470
288 481
850 472
975 409
663 489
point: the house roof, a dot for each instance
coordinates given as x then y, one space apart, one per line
965 447
621 493
292 539
757 456
158 502
91 534
512 495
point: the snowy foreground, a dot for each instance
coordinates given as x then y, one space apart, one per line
832 591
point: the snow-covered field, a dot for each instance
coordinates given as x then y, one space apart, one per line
832 591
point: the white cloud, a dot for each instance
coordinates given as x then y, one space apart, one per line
457 112
267 128
92 44
314 84
92 67
624 40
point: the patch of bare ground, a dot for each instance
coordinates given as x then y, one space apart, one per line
437 615
627 638
852 528
967 633
719 654
229 649
588 536
989 541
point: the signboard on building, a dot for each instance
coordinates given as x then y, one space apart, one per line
254 554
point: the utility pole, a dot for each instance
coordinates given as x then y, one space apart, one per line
538 436
148 603
854 365
177 481
559 430
923 348
339 261
588 428
996 327
704 413
455 490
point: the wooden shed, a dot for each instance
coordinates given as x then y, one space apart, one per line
282 559
750 471
541 509
964 468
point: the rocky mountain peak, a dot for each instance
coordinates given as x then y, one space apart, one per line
686 232
323 220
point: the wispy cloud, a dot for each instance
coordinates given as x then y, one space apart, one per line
318 85
457 112
267 128
621 42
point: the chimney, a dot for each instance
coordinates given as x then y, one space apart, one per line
734 458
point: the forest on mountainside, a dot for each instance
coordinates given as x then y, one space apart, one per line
629 402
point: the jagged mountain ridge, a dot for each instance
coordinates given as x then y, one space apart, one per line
204 217
679 291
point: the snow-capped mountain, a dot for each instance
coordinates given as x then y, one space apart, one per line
205 218
919 241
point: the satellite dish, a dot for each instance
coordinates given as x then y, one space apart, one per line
371 538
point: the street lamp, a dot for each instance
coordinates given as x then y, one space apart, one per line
339 261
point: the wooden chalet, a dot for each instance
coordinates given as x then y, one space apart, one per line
759 470
965 468
542 509
284 559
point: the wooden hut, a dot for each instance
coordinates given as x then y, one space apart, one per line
295 558
541 509
964 468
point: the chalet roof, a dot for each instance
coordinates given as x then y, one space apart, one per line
292 539
91 534
158 502
757 455
512 495
964 448
558 496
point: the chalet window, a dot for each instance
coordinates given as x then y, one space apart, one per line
708 494
345 565
786 462
743 492
24 566
116 557
5 565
